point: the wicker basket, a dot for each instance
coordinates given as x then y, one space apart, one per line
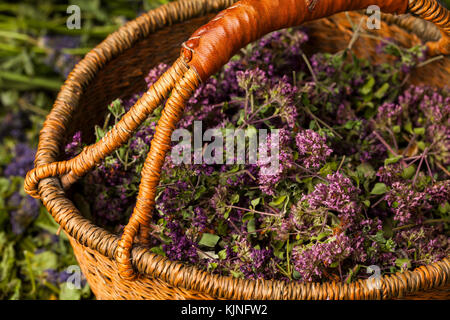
121 267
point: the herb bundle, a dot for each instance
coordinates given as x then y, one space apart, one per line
362 178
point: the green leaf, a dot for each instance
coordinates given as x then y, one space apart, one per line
419 131
392 160
296 275
421 145
68 292
255 202
209 240
43 261
251 226
99 133
380 93
158 250
199 192
365 170
237 274
4 185
409 172
396 129
379 188
366 203
408 127
367 88
320 236
334 265
444 208
235 198
401 261
278 202
222 254
248 216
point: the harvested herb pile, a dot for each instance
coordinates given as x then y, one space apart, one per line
363 177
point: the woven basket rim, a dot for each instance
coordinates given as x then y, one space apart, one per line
87 234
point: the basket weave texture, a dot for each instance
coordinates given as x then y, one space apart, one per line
116 68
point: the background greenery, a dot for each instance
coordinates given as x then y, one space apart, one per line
37 51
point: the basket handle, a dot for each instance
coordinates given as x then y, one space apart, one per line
210 48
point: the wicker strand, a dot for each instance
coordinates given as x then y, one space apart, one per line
433 11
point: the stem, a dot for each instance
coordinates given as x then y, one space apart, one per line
429 61
379 201
443 168
310 172
356 33
430 221
429 170
340 165
313 74
266 119
52 84
235 227
380 138
255 211
322 122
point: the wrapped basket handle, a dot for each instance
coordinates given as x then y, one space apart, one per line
205 53
212 46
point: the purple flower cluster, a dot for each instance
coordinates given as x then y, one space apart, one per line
269 175
75 146
24 211
338 194
61 62
312 148
253 263
389 113
14 124
23 161
180 248
310 262
410 205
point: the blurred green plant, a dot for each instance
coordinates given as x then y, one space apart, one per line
37 51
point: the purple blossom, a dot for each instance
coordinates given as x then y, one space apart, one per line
269 175
200 219
61 62
389 114
409 204
312 148
283 93
252 80
75 147
180 247
24 211
15 124
155 73
337 194
311 261
23 161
